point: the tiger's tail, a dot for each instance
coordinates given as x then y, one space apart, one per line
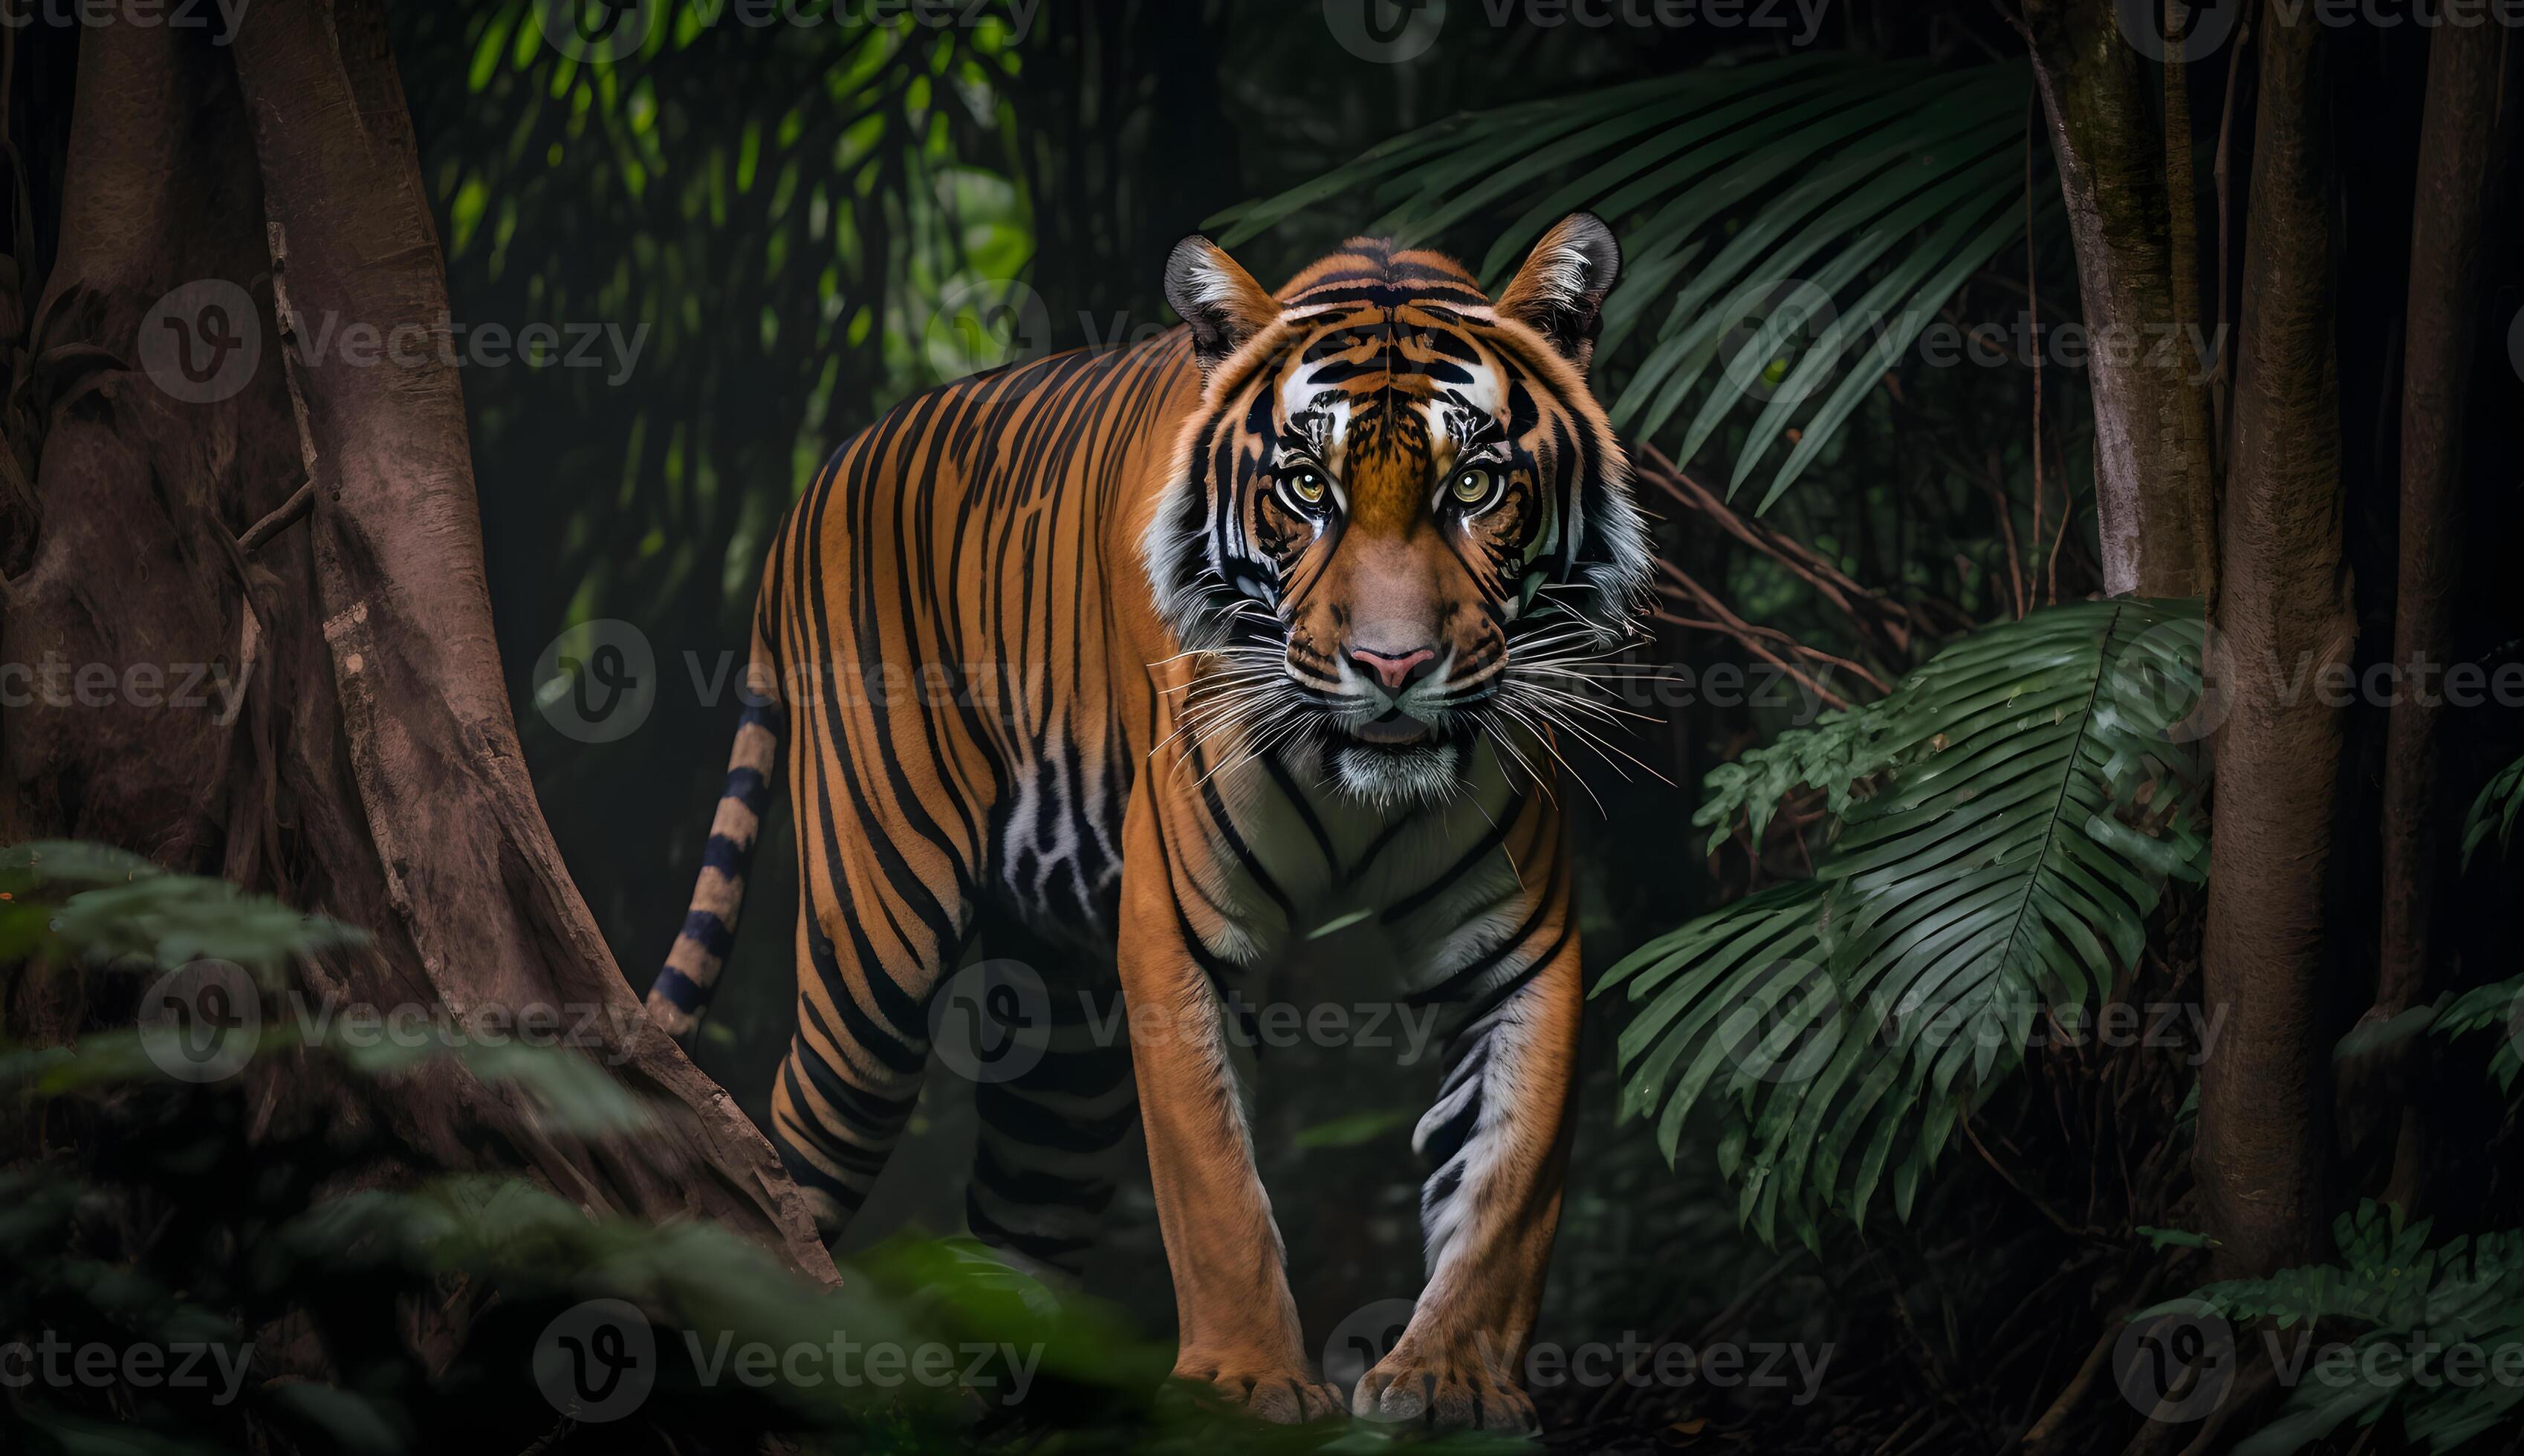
682 990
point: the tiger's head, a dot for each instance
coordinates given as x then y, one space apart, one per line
1400 519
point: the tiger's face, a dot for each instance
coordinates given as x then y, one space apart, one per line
1401 519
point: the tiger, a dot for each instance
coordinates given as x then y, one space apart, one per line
1154 662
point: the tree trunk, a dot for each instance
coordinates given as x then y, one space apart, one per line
2456 173
2283 620
2154 484
309 524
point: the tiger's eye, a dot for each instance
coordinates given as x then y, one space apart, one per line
1306 486
1471 487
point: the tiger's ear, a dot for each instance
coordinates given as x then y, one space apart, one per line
1560 291
1219 299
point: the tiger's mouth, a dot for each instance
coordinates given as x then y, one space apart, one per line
1395 728
1396 759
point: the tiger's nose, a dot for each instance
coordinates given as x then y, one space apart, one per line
1395 672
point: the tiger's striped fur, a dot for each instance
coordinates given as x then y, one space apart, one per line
1153 664
683 987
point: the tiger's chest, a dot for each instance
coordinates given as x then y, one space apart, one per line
1354 901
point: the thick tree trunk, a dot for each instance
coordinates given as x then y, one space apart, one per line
2154 482
374 773
2283 620
2456 176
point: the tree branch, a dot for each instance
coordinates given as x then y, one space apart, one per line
1881 623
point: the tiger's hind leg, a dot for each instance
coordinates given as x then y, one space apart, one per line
1055 1121
886 913
852 1074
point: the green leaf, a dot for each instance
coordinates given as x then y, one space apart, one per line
2500 801
1353 1130
170 920
2161 1238
68 864
572 1093
2392 1292
1813 177
2030 785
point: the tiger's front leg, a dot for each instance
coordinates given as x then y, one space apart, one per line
1239 1324
1498 1138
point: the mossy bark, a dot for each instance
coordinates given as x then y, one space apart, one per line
2154 480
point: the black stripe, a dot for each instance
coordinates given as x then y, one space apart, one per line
1037 1186
1488 842
710 930
1010 1113
679 990
1049 1249
1306 811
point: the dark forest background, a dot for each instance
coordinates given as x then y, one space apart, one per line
770 234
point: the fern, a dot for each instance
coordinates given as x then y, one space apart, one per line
1836 755
1846 200
2033 794
2396 1293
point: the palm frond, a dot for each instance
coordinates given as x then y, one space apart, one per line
2393 1294
2033 784
1846 200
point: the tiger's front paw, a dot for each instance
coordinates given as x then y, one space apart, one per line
1444 1389
1274 1391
